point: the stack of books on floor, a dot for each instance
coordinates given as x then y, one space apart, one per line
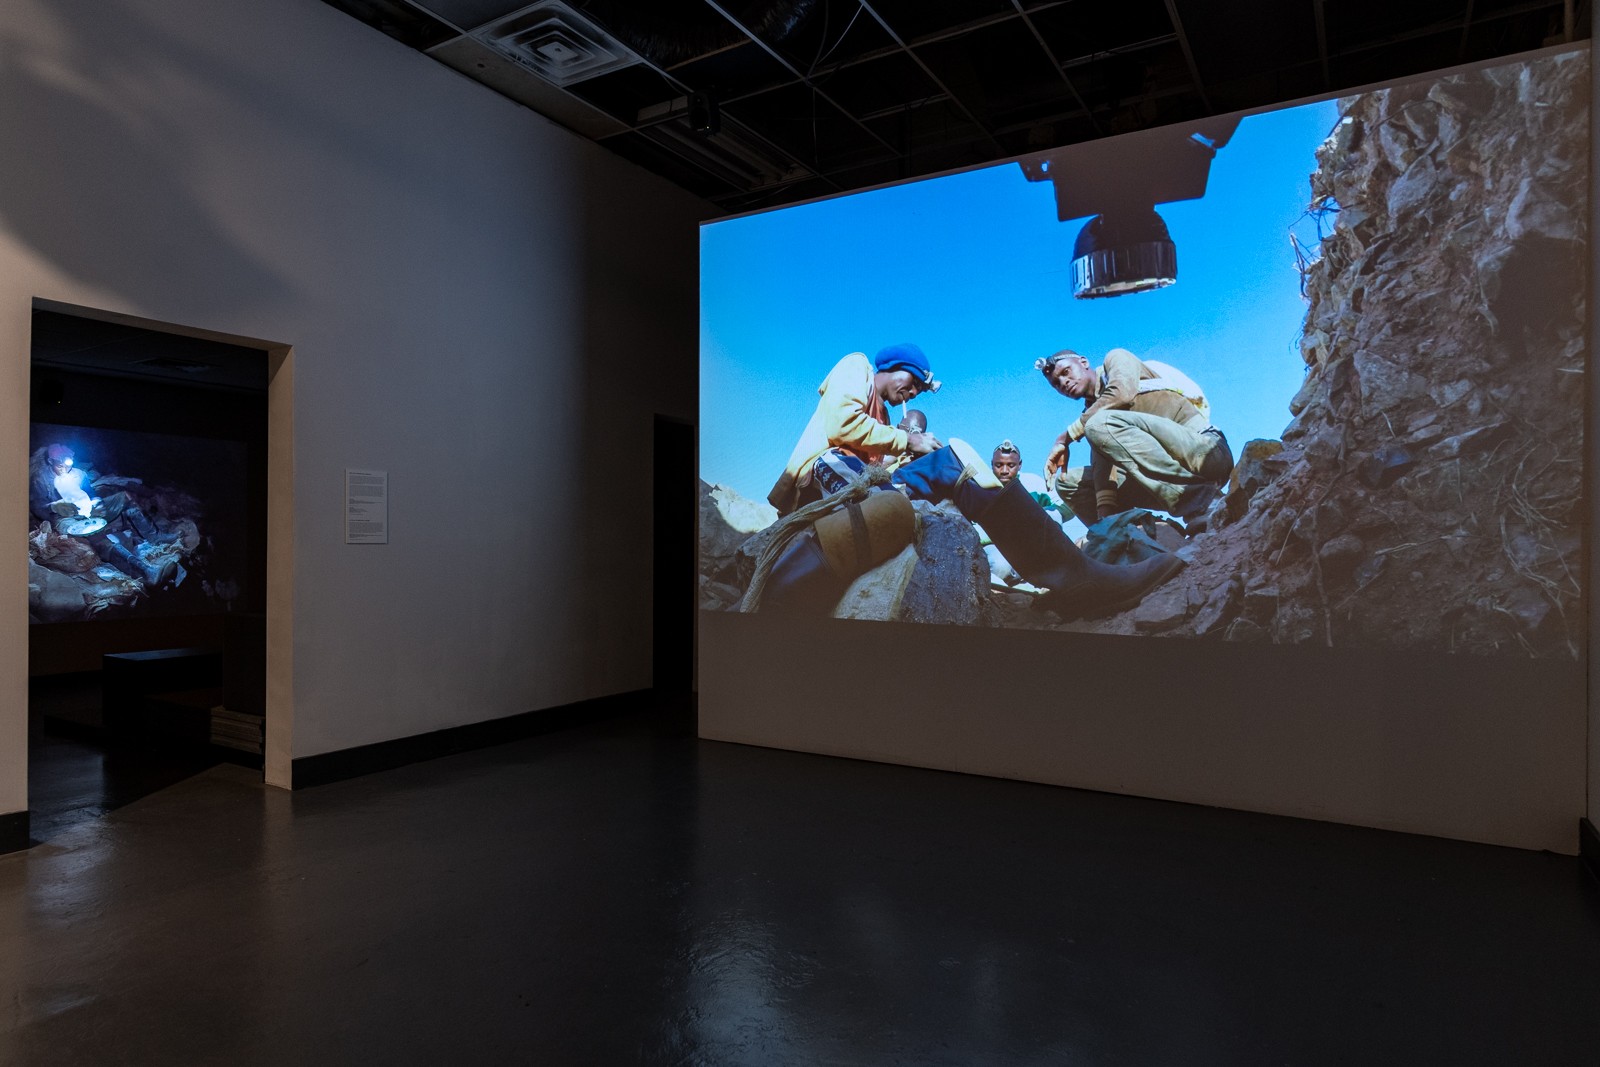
235 729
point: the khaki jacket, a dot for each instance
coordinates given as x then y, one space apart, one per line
1128 383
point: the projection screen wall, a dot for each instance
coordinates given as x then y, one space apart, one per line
1327 472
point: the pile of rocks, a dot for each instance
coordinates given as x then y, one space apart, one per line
942 578
1428 491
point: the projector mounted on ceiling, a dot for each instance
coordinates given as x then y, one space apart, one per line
1126 248
556 43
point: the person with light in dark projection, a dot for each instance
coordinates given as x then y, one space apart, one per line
854 513
1151 441
69 496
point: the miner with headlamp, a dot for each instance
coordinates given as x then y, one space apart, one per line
1151 441
58 488
850 427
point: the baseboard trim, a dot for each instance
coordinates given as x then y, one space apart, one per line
308 771
14 832
1589 851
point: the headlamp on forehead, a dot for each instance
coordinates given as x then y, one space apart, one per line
1046 364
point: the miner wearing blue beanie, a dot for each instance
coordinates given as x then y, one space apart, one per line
850 427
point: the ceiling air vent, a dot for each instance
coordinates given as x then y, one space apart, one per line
556 43
186 366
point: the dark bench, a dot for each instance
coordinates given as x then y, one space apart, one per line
128 679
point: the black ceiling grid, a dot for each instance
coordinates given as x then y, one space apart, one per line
821 96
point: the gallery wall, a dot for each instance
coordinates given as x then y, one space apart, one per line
1412 719
478 302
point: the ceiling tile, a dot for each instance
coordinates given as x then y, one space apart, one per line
996 70
1352 22
1397 60
888 82
919 18
833 31
733 72
624 93
1228 41
808 127
1073 30
920 130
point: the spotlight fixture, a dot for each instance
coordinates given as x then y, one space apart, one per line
1125 247
1123 252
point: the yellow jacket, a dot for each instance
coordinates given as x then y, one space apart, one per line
844 419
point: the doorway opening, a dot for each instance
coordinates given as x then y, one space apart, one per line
148 482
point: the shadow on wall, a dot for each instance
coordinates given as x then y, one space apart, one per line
158 154
115 199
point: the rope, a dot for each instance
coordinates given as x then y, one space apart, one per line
798 522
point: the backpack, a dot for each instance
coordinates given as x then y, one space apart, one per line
1170 377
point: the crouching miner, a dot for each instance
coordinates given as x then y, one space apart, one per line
1151 442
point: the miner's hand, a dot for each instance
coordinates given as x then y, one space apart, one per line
1055 460
920 444
64 508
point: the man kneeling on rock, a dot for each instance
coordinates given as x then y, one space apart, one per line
1151 442
849 432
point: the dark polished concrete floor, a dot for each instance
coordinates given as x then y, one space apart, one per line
77 772
622 893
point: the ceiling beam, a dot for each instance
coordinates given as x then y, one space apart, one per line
1188 53
793 70
1322 44
878 53
943 88
1057 64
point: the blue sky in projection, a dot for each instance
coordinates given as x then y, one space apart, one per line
975 269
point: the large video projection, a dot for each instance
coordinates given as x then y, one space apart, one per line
134 524
1305 376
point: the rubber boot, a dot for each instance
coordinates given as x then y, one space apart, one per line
1081 587
815 569
131 563
146 529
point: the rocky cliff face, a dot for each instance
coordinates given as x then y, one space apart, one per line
1429 491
